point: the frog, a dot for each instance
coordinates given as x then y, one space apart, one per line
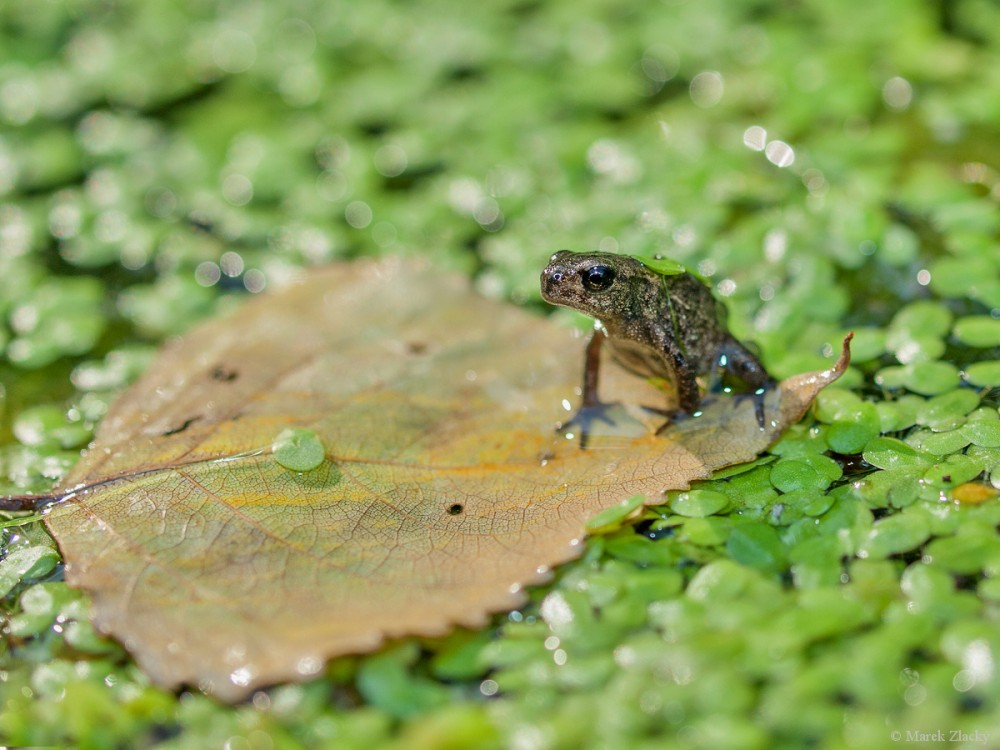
659 321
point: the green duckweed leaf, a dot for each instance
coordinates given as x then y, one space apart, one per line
707 532
932 378
947 406
724 581
25 563
853 422
978 330
37 426
40 605
851 436
924 318
926 378
958 277
896 487
890 453
298 449
698 503
926 583
939 443
758 546
965 553
816 562
982 433
386 681
984 374
954 470
895 534
868 343
900 413
612 517
662 266
61 317
789 475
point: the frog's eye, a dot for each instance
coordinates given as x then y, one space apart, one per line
598 278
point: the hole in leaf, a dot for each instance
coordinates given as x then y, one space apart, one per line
183 426
455 509
223 374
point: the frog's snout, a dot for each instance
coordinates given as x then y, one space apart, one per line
551 279
557 273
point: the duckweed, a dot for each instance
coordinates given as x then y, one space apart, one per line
895 534
614 515
298 449
825 167
984 374
978 330
25 563
698 503
60 317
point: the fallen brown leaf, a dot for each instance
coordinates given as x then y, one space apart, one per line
445 490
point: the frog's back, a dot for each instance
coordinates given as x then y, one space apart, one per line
686 313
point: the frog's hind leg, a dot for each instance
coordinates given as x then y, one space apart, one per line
738 361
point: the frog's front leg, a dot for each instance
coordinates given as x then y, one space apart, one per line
592 367
592 409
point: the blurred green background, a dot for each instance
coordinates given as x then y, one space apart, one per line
827 165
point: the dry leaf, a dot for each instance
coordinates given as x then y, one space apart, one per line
444 490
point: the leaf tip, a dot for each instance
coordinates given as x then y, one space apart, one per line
840 366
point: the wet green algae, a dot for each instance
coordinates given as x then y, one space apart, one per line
829 594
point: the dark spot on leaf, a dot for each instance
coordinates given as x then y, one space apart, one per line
180 428
224 374
416 347
455 509
946 478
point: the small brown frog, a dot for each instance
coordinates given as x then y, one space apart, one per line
660 321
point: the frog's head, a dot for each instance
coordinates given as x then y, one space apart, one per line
605 286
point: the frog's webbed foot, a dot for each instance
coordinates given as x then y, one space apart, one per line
757 396
585 418
668 413
673 417
742 364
